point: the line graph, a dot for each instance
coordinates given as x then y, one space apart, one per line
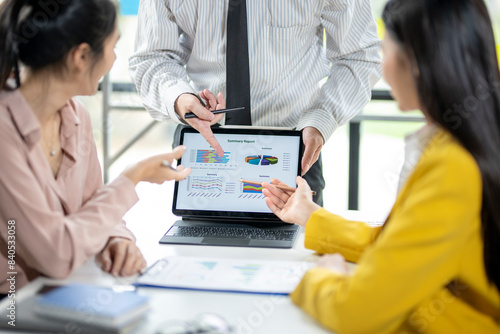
207 184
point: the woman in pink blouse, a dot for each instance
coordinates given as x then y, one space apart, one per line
55 212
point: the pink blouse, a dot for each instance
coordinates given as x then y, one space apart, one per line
50 226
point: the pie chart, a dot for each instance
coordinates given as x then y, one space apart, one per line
260 160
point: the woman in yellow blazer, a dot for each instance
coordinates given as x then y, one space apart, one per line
434 266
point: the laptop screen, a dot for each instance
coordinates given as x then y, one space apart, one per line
214 189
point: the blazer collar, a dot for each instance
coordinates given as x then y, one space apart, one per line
439 137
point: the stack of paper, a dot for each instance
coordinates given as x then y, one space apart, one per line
92 306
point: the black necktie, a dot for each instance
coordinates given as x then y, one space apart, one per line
237 67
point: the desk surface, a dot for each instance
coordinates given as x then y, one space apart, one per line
248 313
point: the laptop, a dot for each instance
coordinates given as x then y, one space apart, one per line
216 207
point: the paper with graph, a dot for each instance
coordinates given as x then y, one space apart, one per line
214 181
228 275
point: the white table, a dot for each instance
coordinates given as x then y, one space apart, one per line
249 313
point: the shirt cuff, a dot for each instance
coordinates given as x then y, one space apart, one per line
319 119
313 280
126 188
314 228
170 95
128 198
121 231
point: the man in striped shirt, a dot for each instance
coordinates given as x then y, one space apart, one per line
312 65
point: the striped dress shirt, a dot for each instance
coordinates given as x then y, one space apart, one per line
298 77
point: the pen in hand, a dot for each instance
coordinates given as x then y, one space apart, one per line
285 188
167 164
220 111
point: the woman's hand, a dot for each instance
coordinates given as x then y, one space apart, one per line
291 207
121 257
153 170
334 262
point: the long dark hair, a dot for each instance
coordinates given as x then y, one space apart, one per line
452 44
40 33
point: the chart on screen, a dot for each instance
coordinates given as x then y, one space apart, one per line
214 181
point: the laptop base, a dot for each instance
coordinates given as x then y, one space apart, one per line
235 234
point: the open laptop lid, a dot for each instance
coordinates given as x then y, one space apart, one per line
213 189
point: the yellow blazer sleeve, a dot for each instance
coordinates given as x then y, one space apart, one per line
417 253
329 233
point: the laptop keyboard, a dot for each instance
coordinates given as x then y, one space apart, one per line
231 232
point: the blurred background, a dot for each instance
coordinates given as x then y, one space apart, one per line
381 145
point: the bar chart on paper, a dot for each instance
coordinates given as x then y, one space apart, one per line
246 273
